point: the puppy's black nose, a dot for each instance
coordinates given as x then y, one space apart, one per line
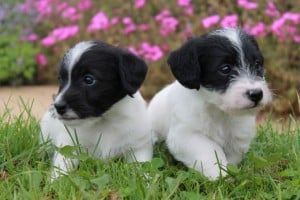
61 107
255 95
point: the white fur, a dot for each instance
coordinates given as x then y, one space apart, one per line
205 129
123 130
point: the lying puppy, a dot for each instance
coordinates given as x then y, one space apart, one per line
99 104
207 116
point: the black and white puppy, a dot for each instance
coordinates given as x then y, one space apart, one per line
207 116
98 102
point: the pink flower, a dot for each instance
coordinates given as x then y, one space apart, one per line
139 3
154 53
277 28
70 13
164 13
32 37
58 34
48 41
210 21
183 3
168 25
129 25
165 47
296 38
85 5
43 7
187 6
114 21
259 29
129 29
189 10
62 6
127 20
149 52
271 10
229 21
41 60
247 4
26 7
133 50
99 22
294 17
291 30
143 27
247 28
63 33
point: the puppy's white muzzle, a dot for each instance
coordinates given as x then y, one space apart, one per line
245 94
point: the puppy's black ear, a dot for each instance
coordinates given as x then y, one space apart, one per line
132 71
185 65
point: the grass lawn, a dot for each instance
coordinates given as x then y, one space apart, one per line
271 170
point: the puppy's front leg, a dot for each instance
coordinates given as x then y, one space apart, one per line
62 165
141 154
199 152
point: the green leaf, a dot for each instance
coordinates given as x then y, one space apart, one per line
233 169
157 163
259 162
191 195
68 151
102 181
83 156
36 179
171 183
288 173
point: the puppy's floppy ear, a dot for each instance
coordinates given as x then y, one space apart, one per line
132 71
185 65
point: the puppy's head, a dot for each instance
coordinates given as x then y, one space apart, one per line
93 76
228 68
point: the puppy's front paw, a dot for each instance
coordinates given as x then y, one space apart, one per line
56 173
215 172
62 166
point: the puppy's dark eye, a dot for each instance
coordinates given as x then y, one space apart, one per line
225 69
61 81
89 80
259 68
257 63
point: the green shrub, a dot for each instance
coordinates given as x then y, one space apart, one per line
17 61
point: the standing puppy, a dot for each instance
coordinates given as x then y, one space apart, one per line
98 102
207 116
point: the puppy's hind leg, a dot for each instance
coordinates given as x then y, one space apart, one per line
199 152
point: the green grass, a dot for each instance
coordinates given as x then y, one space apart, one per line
271 170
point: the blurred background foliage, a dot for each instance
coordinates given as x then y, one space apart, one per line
35 34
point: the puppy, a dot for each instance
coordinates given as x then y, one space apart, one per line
99 106
207 116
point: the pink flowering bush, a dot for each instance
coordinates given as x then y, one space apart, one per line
150 29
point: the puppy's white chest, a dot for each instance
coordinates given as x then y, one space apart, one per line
235 135
101 141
